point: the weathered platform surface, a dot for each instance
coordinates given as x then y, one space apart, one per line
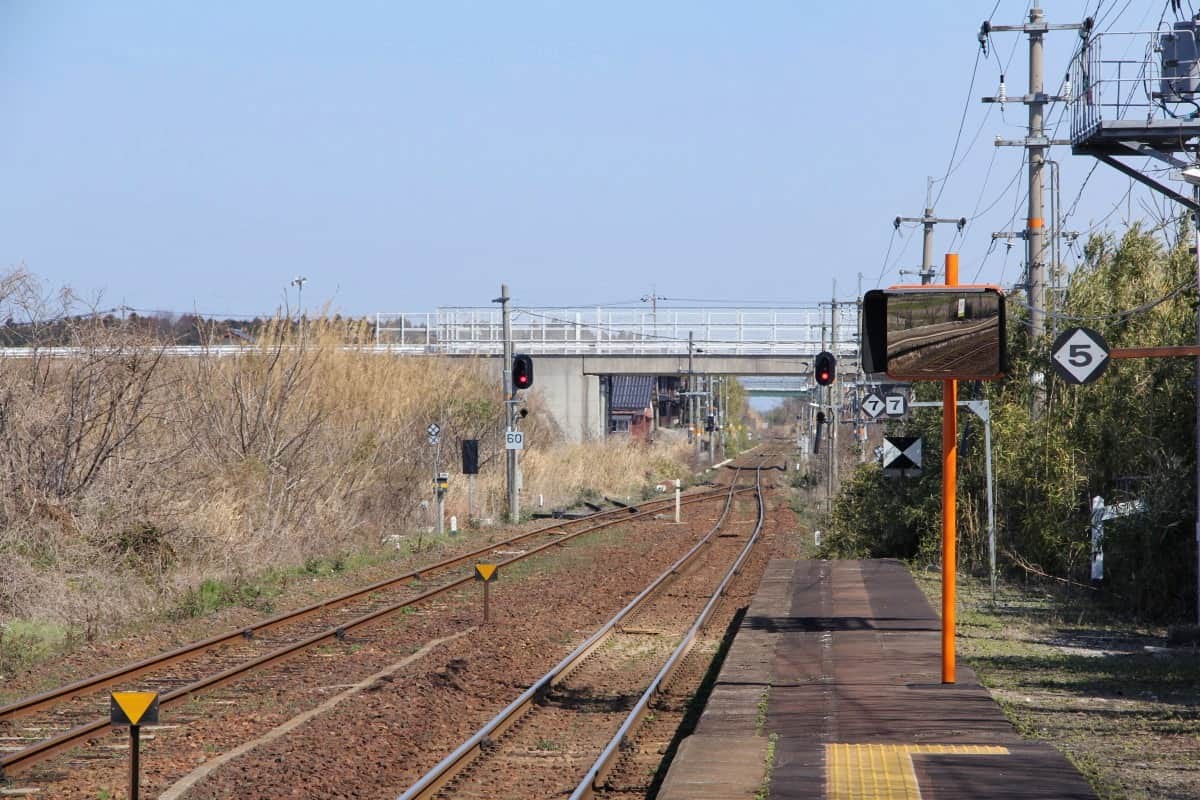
841 662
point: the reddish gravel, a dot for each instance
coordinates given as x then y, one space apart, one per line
377 741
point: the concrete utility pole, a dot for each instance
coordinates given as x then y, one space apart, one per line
299 282
1036 144
693 398
509 395
834 400
860 423
822 398
928 220
1036 223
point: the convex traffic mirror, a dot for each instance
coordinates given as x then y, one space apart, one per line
927 333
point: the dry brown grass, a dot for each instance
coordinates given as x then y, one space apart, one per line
563 473
132 476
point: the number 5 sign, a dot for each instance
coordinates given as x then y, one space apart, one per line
1079 355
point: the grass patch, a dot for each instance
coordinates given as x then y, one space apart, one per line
1105 691
25 643
764 789
764 702
259 592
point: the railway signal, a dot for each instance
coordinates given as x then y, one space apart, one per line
522 372
824 368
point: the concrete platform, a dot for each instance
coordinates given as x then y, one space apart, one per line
840 662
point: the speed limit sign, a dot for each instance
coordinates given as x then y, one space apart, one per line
1079 355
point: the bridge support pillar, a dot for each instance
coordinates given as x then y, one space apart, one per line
572 397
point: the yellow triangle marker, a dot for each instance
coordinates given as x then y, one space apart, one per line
134 705
484 572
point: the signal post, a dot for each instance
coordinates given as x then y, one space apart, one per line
949 503
509 396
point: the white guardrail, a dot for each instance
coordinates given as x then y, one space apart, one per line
623 331
800 332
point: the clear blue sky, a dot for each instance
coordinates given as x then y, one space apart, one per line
408 155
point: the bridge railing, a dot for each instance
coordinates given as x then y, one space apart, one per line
596 331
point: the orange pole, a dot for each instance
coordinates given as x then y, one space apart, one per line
949 506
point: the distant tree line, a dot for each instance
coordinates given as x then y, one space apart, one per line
168 328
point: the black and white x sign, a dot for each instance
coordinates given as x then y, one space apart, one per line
901 453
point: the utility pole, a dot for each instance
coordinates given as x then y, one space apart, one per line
691 413
834 391
693 395
509 395
1036 144
299 282
928 220
653 299
860 424
822 404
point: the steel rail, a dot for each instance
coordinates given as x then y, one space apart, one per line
445 771
603 766
23 759
37 702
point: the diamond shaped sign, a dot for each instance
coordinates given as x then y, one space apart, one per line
873 405
1079 355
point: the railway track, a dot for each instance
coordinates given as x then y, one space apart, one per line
573 728
38 727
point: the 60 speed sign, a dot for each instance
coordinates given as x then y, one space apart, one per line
1079 355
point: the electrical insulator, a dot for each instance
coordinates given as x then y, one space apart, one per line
1002 97
1067 90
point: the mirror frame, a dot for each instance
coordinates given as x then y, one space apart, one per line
874 333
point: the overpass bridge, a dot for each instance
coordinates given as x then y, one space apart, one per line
755 333
579 349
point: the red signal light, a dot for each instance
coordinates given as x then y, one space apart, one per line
823 368
522 372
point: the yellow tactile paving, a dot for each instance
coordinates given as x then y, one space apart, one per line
884 771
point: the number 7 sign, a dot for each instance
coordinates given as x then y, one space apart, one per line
1079 355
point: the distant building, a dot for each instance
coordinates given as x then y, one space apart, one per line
631 406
